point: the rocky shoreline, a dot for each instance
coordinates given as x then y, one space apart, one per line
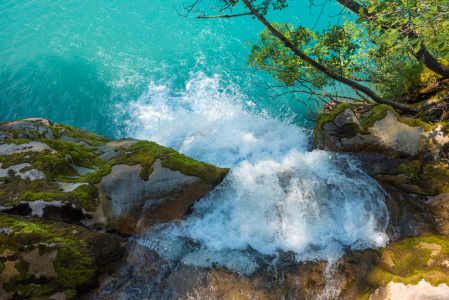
71 201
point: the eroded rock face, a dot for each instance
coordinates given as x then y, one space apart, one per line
51 260
406 154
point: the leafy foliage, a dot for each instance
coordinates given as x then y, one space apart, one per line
405 25
333 48
379 51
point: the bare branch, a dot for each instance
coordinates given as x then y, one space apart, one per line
224 16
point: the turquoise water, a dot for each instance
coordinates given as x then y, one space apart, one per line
82 63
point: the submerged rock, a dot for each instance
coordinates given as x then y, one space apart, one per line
43 260
72 175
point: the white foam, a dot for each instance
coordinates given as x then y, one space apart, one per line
212 124
277 197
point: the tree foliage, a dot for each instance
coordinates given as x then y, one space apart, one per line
404 25
379 42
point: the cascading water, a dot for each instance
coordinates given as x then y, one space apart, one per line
277 197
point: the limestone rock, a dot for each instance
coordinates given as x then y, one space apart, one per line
16 169
66 138
50 260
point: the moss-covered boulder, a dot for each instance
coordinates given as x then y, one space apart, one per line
50 260
383 131
148 184
68 174
410 269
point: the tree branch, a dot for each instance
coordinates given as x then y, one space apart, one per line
224 16
423 54
328 72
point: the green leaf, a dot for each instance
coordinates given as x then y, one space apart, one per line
397 53
434 8
361 10
441 37
445 23
405 41
417 47
443 47
380 40
394 35
371 9
398 46
428 15
416 21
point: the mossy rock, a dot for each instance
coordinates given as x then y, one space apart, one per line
435 178
69 171
379 112
409 261
45 258
146 153
56 169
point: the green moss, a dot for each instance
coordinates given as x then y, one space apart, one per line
416 77
435 178
413 167
74 263
95 177
81 155
379 112
74 133
17 141
18 189
411 264
438 96
323 118
146 153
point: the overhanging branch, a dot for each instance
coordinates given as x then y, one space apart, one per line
328 72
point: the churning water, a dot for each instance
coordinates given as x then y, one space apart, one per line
135 68
277 197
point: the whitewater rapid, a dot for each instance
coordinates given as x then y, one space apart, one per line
279 196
